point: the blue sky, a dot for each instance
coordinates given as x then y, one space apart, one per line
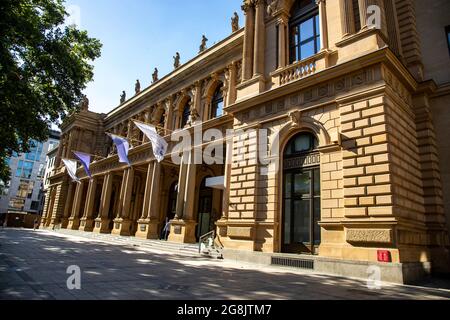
139 35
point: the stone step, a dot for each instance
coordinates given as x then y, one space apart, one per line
150 244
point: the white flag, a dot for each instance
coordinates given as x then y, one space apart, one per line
71 166
159 145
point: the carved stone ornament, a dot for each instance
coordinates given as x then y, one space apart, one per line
272 7
295 117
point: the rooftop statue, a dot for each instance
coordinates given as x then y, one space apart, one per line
123 96
203 45
235 22
176 60
137 87
85 103
155 75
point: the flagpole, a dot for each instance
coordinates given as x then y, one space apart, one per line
90 154
149 124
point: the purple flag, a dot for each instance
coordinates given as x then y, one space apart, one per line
85 160
122 146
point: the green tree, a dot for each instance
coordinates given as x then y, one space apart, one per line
44 66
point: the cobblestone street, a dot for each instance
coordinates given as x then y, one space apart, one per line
33 265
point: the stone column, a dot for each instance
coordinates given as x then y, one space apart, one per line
231 93
247 59
347 17
87 222
102 222
68 206
260 37
169 114
183 227
74 220
323 24
149 222
123 223
282 24
362 4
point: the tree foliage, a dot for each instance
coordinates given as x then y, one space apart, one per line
44 66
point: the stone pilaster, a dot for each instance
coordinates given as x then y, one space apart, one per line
247 60
260 38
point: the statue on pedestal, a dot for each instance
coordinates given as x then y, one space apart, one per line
123 97
203 45
235 22
176 60
155 75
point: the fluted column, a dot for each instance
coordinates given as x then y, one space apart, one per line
247 59
260 37
347 17
105 201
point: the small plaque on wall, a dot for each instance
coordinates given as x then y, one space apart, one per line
97 224
177 229
143 227
117 226
82 223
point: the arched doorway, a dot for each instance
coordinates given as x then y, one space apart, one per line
301 195
171 210
204 217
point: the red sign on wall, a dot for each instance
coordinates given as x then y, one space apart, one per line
384 256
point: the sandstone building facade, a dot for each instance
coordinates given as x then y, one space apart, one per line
362 118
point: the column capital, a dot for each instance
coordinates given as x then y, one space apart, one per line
318 2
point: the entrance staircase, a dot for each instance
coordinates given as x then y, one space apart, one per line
179 248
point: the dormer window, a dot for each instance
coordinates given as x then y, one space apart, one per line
304 26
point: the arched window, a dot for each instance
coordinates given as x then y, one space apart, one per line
186 113
304 35
301 143
217 103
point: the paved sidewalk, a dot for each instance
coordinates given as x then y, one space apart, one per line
33 265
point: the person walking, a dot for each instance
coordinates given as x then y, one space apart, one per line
36 224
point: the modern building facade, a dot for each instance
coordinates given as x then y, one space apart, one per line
354 100
24 193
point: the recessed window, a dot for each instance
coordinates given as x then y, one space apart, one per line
304 31
24 169
217 103
302 143
185 115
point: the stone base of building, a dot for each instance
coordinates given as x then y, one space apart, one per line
182 231
101 226
74 224
122 227
403 273
87 224
148 229
64 223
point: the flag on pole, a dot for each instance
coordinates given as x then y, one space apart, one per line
85 160
159 145
71 166
122 146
